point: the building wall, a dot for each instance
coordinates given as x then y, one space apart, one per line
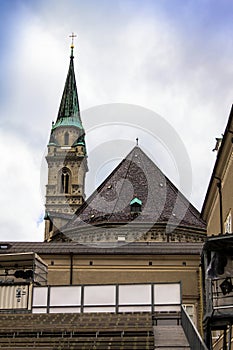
102 269
217 217
222 174
213 223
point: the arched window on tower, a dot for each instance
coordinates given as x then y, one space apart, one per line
66 139
65 180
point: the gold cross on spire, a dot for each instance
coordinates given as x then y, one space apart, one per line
72 36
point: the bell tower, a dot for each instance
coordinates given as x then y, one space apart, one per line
66 158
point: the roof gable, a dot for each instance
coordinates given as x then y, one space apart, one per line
136 201
136 176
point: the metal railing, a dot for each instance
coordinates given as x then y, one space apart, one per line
117 298
192 335
222 295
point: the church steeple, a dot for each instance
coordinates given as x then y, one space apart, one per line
66 158
69 112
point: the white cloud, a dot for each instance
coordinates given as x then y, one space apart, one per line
20 201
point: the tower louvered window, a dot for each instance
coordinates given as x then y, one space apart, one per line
66 139
65 181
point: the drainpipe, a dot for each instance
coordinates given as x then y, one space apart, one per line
219 185
71 267
229 336
225 339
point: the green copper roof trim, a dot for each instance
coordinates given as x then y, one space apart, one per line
80 141
52 141
69 113
68 121
136 201
46 216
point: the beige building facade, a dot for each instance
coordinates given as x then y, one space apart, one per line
218 204
161 262
217 212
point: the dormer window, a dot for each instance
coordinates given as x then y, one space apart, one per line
135 206
66 139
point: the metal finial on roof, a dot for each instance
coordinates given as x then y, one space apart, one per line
72 36
137 141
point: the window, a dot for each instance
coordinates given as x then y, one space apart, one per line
50 225
228 223
190 309
136 206
66 139
65 180
4 246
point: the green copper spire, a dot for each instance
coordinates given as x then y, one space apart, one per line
69 113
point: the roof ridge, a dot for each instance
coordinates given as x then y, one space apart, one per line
185 200
176 190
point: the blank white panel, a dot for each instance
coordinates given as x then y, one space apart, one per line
167 294
134 308
167 308
134 294
61 310
65 296
99 295
99 309
40 295
39 311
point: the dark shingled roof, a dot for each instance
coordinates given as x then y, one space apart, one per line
136 176
139 248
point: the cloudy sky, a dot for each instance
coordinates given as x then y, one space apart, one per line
171 57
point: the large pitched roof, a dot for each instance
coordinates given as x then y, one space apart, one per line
136 176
